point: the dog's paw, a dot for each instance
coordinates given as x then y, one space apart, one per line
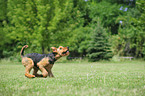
30 76
33 76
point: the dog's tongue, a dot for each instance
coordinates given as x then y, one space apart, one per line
67 51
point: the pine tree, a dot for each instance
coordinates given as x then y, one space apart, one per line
99 47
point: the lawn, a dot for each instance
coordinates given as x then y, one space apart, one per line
125 78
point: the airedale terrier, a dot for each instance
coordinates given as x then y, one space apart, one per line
42 62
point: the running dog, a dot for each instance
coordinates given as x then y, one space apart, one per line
42 62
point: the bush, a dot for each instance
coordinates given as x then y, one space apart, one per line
99 47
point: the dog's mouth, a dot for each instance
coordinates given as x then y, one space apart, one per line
65 53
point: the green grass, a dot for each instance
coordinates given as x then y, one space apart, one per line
76 79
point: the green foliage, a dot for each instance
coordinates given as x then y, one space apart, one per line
107 13
139 24
42 24
132 40
144 50
99 47
131 33
79 40
37 23
3 17
3 12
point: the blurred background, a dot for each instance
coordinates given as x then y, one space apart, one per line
95 29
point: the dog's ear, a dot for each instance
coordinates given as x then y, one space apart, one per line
60 47
54 49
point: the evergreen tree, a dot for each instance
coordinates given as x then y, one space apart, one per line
99 47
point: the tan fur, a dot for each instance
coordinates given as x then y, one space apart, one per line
44 62
29 64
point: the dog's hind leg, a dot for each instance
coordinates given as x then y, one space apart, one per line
35 72
29 64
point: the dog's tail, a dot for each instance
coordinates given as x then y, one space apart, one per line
22 50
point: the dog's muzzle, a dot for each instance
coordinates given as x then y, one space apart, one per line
66 52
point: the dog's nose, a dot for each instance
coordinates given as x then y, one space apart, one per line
68 48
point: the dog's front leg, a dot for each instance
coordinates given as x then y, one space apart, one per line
48 68
50 73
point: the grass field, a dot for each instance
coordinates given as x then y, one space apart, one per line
76 79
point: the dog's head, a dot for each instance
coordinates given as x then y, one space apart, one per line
62 51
